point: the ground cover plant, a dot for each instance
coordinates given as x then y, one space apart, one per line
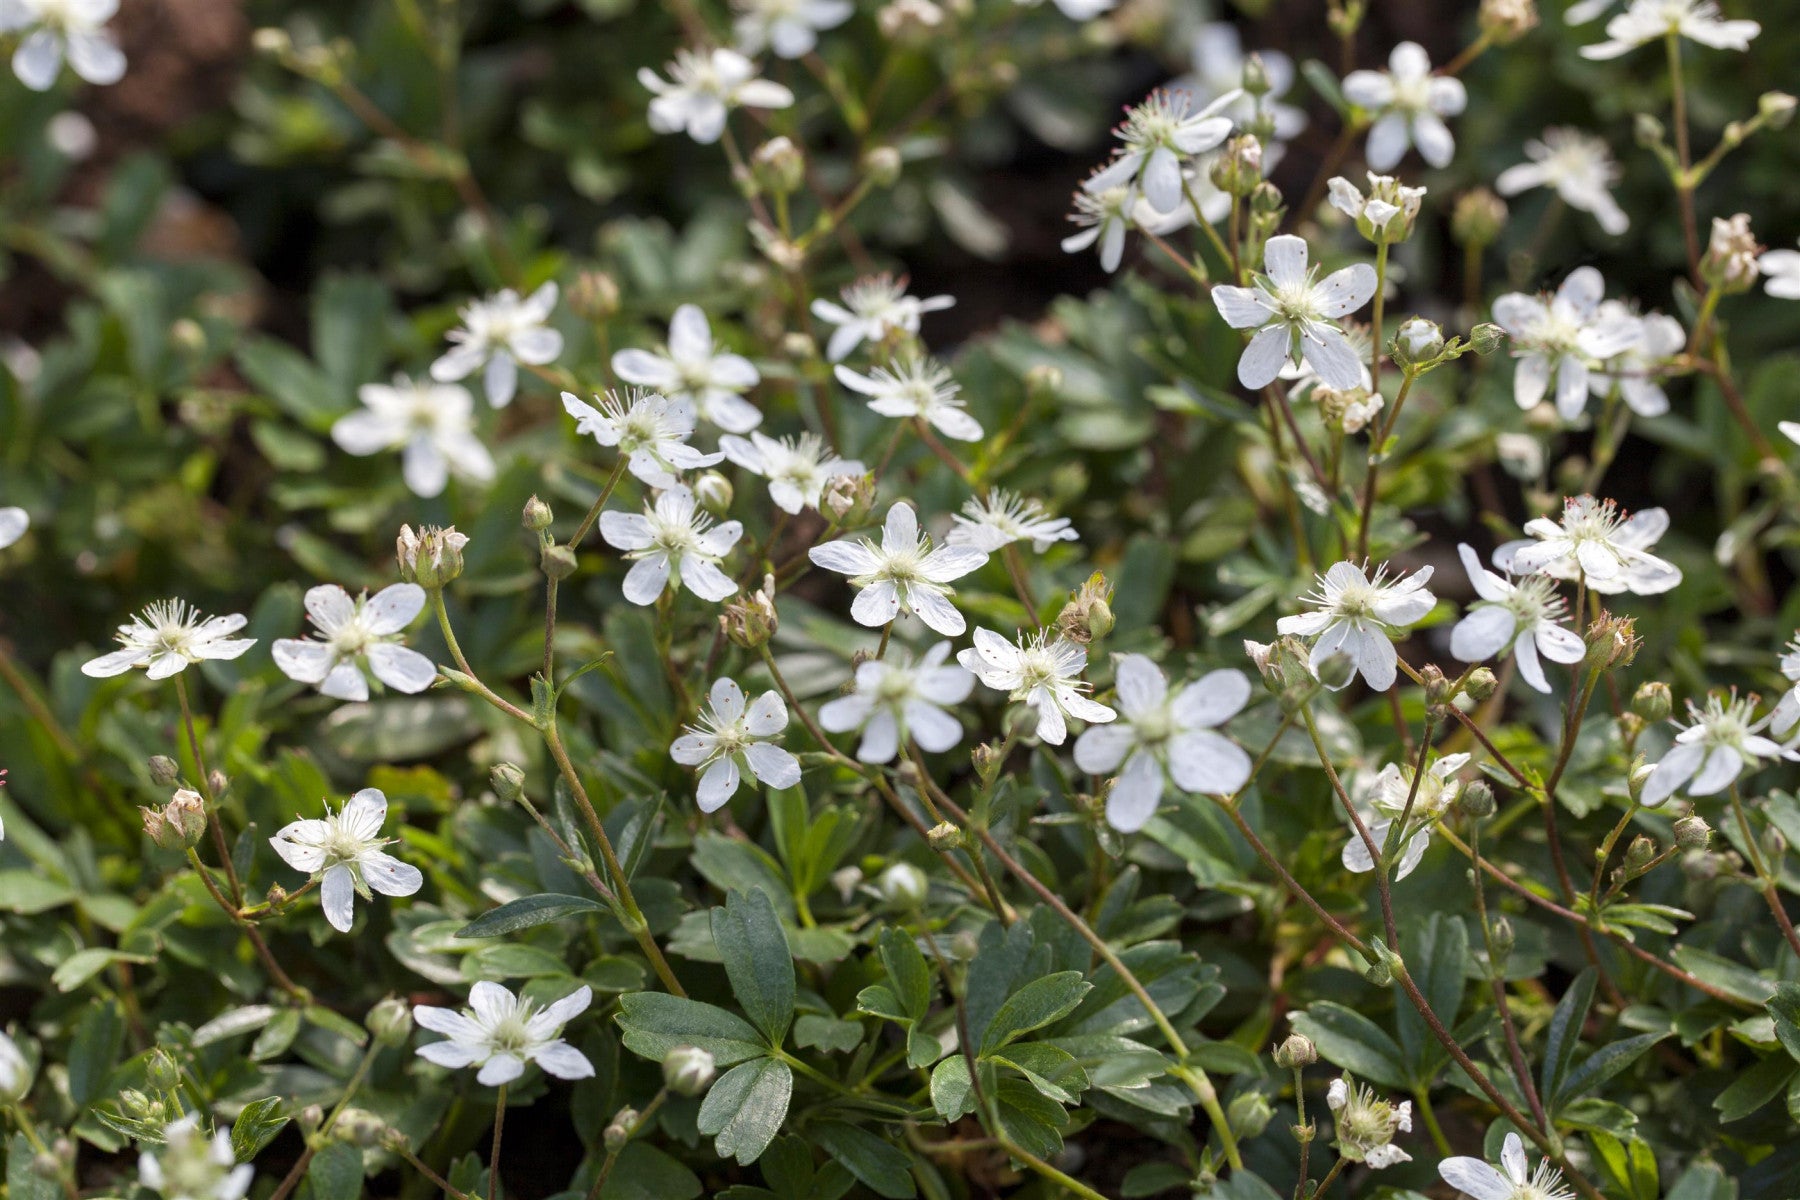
621 600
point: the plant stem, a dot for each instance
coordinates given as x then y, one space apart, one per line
494 1156
1765 880
1684 184
206 793
1377 450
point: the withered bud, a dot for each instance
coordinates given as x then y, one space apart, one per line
779 166
594 296
179 824
1088 616
432 557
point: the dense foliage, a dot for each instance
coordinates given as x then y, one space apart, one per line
681 631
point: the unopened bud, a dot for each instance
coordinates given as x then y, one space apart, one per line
1480 684
1486 338
390 1021
1652 701
903 886
986 758
688 1070
1692 833
1336 670
1437 688
558 561
1776 109
162 1072
1417 342
1238 170
1501 933
594 296
618 1131
1297 1051
45 1166
1044 379
1649 132
508 780
537 515
1774 846
751 623
944 837
163 770
1249 1114
360 1127
1256 76
1506 21
271 40
1380 972
909 22
1266 199
1476 800
883 163
1639 854
846 880
1478 218
713 491
1730 261
779 166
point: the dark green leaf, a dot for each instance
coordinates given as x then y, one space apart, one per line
1564 1034
654 1023
745 1108
526 912
336 1172
1034 1006
755 951
882 1167
256 1127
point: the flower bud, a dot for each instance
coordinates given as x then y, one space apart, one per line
1043 380
779 166
1266 199
1774 844
1297 1051
161 1071
558 561
1729 263
846 880
432 557
163 770
1776 109
688 1070
1505 21
1249 1114
537 515
1336 670
713 491
1478 218
45 1166
618 1132
1480 684
310 1118
360 1127
882 163
1417 343
1692 833
1380 972
594 296
1649 132
1503 938
1476 800
986 757
508 780
1639 853
390 1021
1239 167
1486 338
751 623
944 837
909 22
903 886
1652 701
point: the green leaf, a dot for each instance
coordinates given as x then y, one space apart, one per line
1440 948
23 1183
291 380
1352 1041
336 1172
526 912
642 1172
814 1032
232 1022
256 1127
654 1023
1784 1007
83 965
745 1108
876 1162
1603 1064
755 951
1564 1034
1754 1088
1152 1178
951 1093
908 972
94 1050
1034 1006
1630 1166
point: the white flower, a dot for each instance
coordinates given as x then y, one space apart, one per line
431 424
62 28
13 524
1302 379
915 387
1075 10
1162 734
500 1033
1565 336
649 429
673 543
356 636
1001 518
1787 713
1653 20
15 1072
789 27
166 637
874 308
798 468
731 738
895 698
1384 800
1105 215
1358 615
499 333
344 849
1219 59
1579 166
1597 543
1157 134
702 88
1524 614
1388 198
1718 744
1781 273
192 1166
904 574
694 372
1410 104
1481 1181
1196 177
1295 315
1635 369
1365 1125
1045 675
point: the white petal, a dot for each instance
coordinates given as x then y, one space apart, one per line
563 1061
1140 683
1485 632
1475 1178
393 608
768 715
1207 762
402 669
1211 699
391 877
501 1068
1135 794
1262 358
718 783
1284 260
336 897
774 766
1101 748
